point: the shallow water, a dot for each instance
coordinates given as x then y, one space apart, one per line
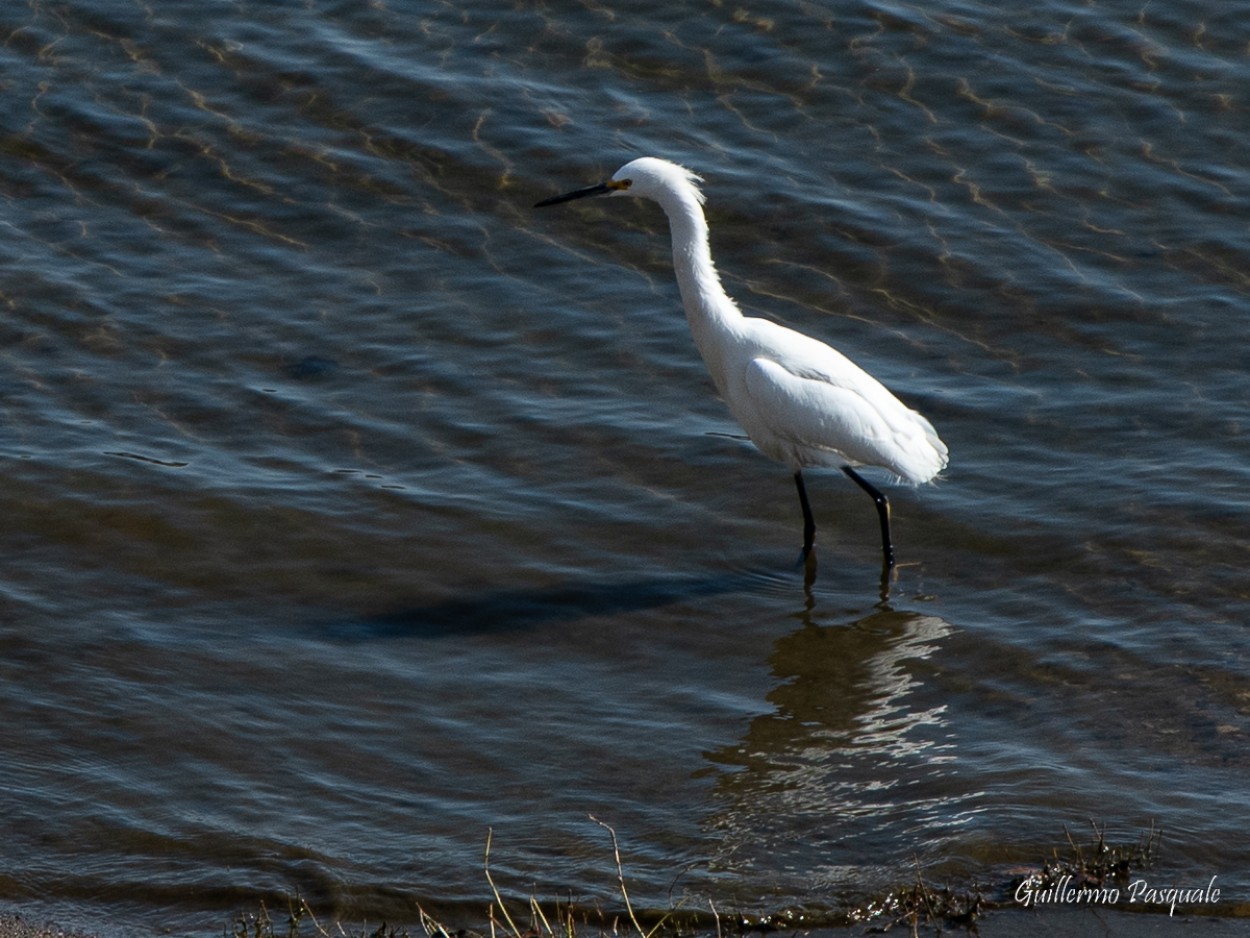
354 509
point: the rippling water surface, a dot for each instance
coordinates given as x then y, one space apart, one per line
353 508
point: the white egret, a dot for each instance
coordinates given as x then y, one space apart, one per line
800 401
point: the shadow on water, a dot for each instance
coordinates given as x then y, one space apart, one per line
521 608
512 609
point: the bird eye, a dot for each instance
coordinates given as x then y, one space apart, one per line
620 185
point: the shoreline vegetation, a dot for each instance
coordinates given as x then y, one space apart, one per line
1098 873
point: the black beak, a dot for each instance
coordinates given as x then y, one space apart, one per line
602 189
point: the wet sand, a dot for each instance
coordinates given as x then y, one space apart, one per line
1077 923
14 926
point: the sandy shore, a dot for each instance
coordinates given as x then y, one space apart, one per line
1072 922
13 926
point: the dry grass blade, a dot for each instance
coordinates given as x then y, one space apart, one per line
620 878
503 909
536 914
620 874
430 925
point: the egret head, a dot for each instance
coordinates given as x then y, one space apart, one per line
646 177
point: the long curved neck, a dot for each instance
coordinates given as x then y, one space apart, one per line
709 309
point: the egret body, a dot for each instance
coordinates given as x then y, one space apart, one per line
801 402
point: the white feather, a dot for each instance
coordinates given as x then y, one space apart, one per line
800 401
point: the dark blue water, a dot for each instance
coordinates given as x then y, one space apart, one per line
354 509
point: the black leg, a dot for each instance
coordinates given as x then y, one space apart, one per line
809 523
883 512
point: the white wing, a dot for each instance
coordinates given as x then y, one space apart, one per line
808 404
